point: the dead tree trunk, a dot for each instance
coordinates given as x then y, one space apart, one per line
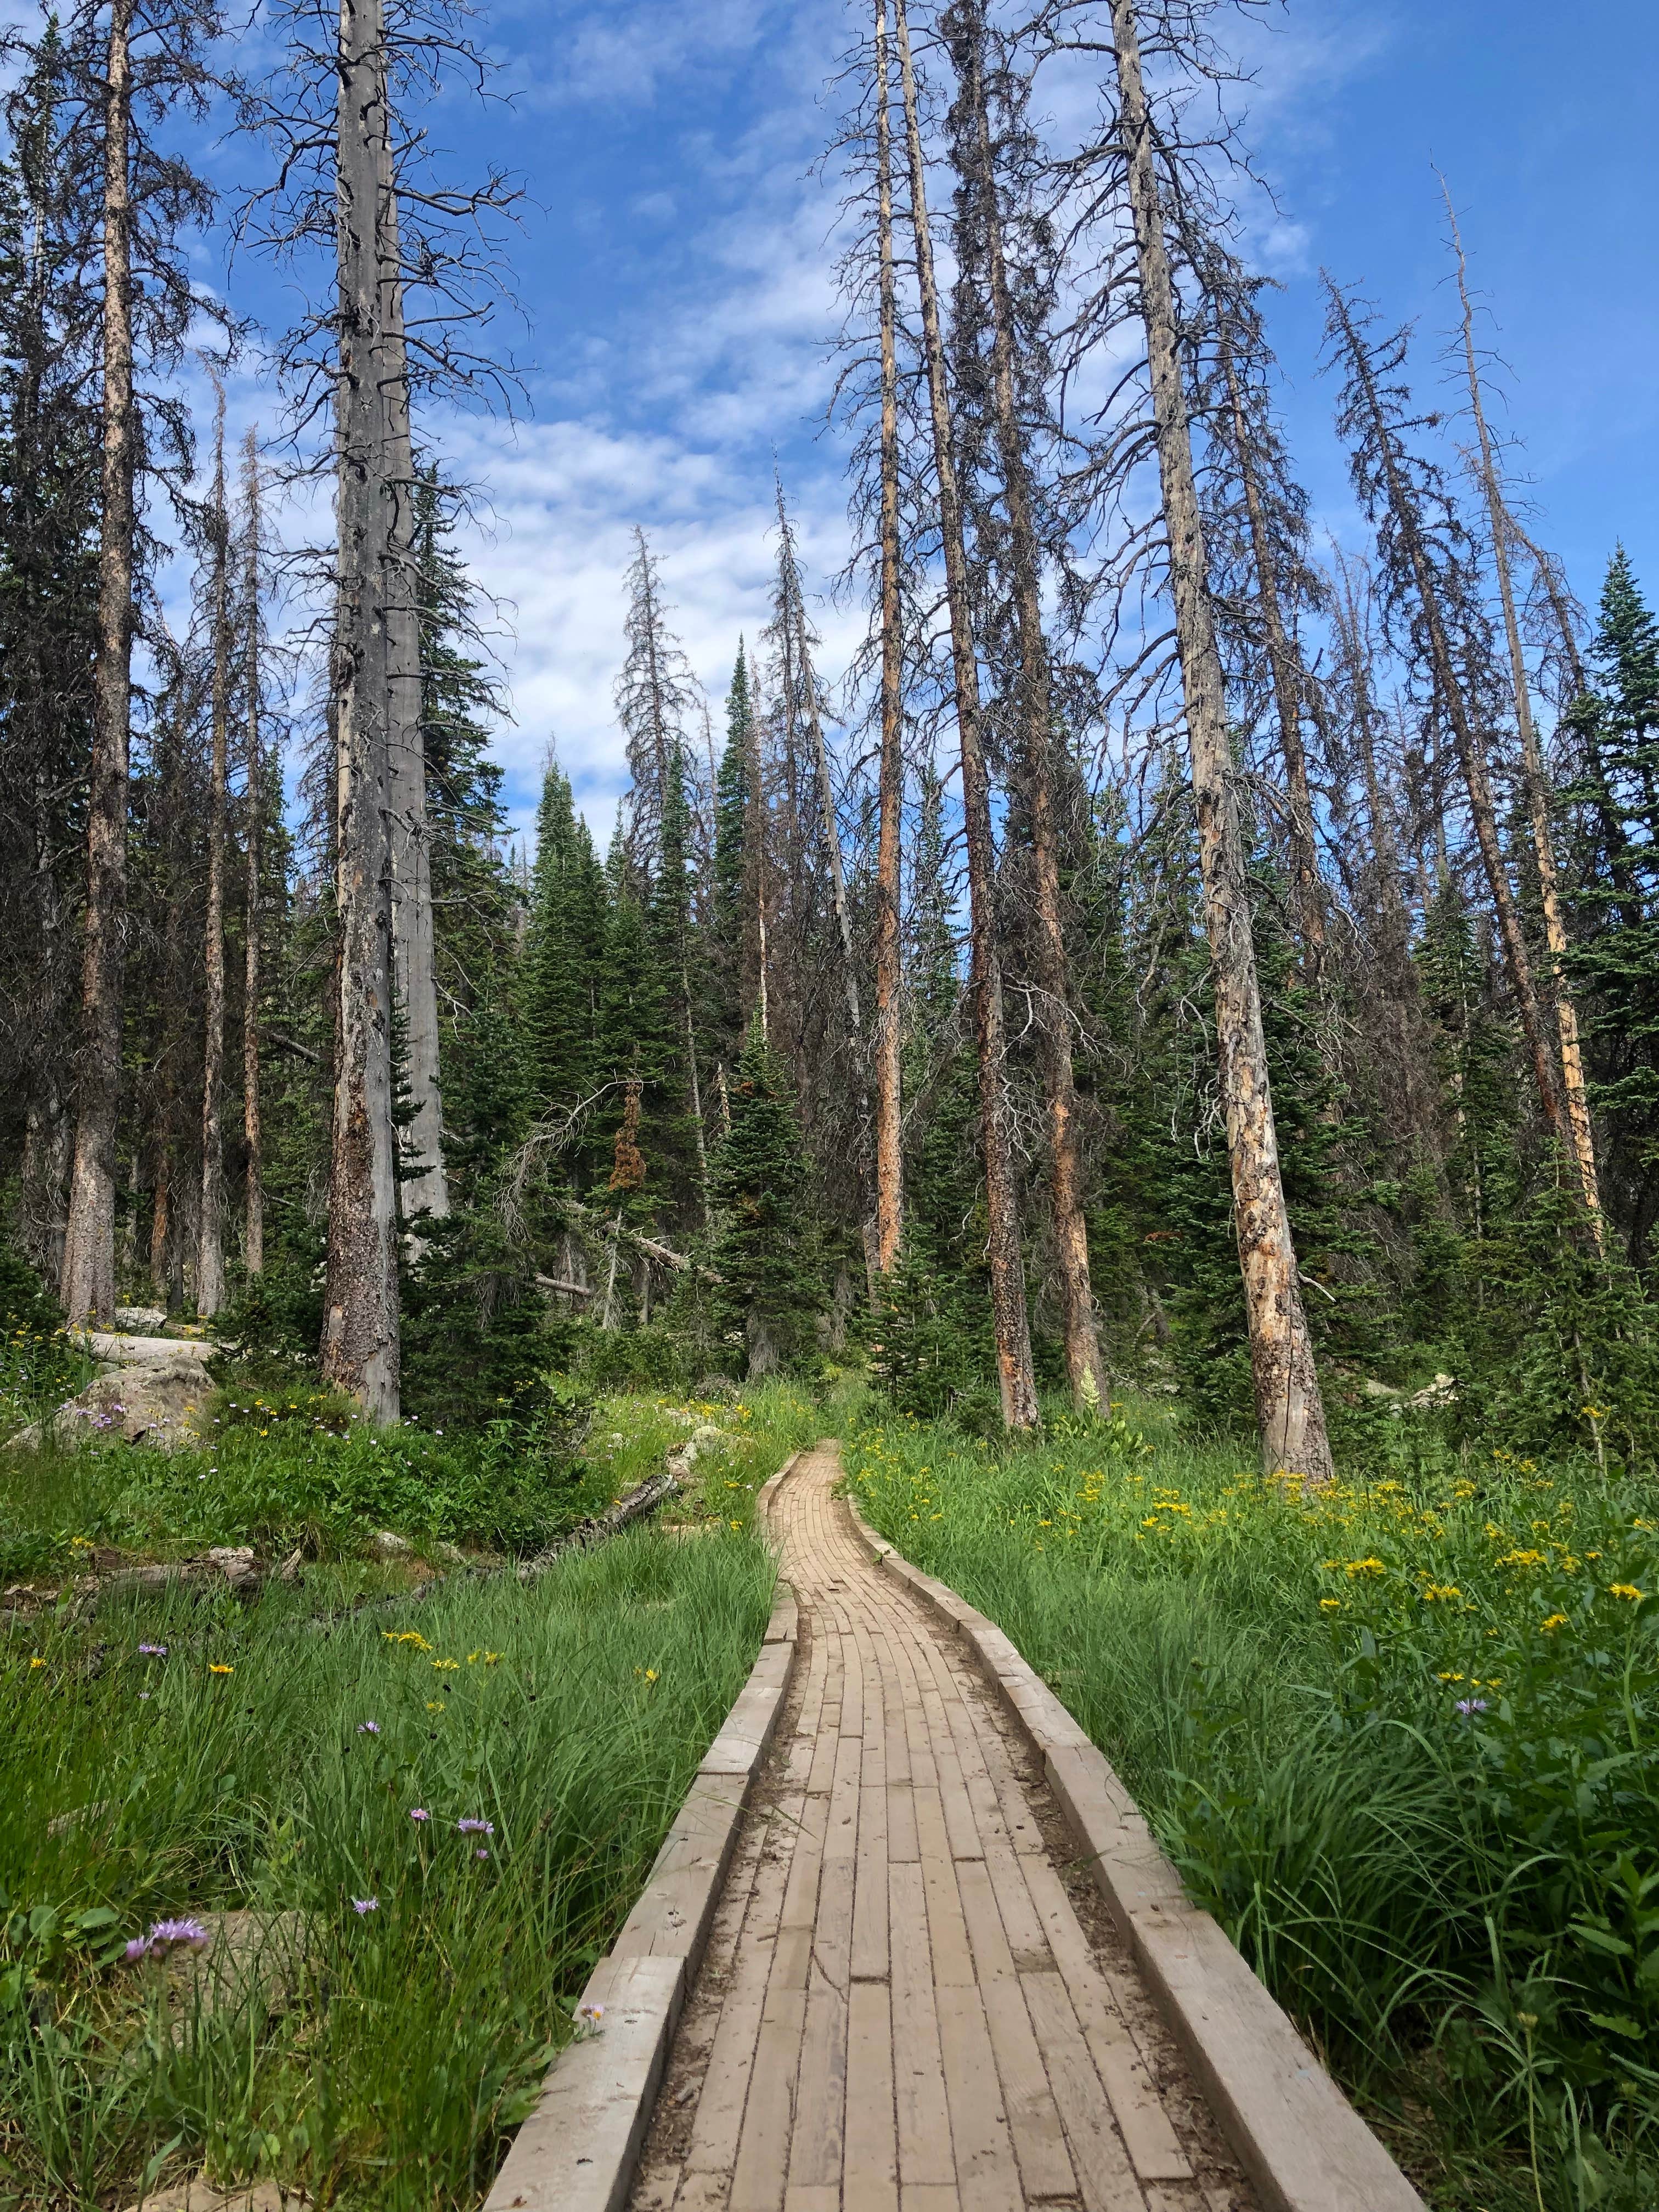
88 1279
211 1227
1085 1368
1549 880
1290 1411
885 1053
1287 681
253 1241
1471 748
426 1186
360 1348
1009 1319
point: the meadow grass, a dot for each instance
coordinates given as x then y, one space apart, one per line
275 1756
1398 1736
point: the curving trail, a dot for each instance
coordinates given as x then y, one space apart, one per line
911 2002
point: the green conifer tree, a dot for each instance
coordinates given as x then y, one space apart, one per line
767 1295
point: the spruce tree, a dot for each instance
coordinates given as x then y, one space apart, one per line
766 1296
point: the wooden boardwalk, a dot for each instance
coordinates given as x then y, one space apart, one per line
910 2002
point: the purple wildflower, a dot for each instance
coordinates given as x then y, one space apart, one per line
475 1827
136 1950
154 1650
360 1905
419 1813
1468 1705
369 1728
481 1854
163 1933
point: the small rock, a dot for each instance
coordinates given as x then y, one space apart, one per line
142 1321
248 1956
198 2195
707 1437
1378 1389
447 1555
1442 1391
386 1546
150 1401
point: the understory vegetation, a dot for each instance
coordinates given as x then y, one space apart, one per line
435 1813
1398 1736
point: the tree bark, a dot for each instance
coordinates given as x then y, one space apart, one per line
426 1186
1471 751
88 1279
1549 880
1009 1319
1085 1368
884 1043
254 1241
1287 681
210 1230
1289 1412
360 1347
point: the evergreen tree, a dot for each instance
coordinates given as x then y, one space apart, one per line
766 1296
1616 897
563 948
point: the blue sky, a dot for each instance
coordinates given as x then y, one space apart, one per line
674 261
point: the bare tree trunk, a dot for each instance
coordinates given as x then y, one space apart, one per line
253 1243
1471 749
1288 683
1009 1319
1290 1411
889 1165
426 1186
360 1348
211 1228
1549 881
89 1280
1085 1368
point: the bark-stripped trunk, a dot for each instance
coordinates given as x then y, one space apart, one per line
426 1186
1549 881
360 1348
1471 749
253 1241
1289 1409
210 1227
1013 1339
884 1044
1085 1368
1287 680
88 1279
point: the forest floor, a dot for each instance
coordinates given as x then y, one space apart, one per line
1397 1736
303 1886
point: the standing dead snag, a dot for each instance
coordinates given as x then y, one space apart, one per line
1290 1411
1085 1368
1428 582
360 1348
253 1247
89 1280
885 1041
1549 879
1013 1329
414 949
210 1226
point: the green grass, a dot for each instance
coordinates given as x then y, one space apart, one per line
569 1714
1399 1737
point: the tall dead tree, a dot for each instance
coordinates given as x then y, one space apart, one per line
1575 1096
1015 1377
1430 592
976 157
1248 439
253 769
133 66
1290 1411
211 1223
426 1186
87 1288
889 975
359 1346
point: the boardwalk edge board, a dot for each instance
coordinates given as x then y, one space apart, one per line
578 2147
1299 2139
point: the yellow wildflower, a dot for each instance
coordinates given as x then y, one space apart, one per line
1626 1589
217 1667
1556 1620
